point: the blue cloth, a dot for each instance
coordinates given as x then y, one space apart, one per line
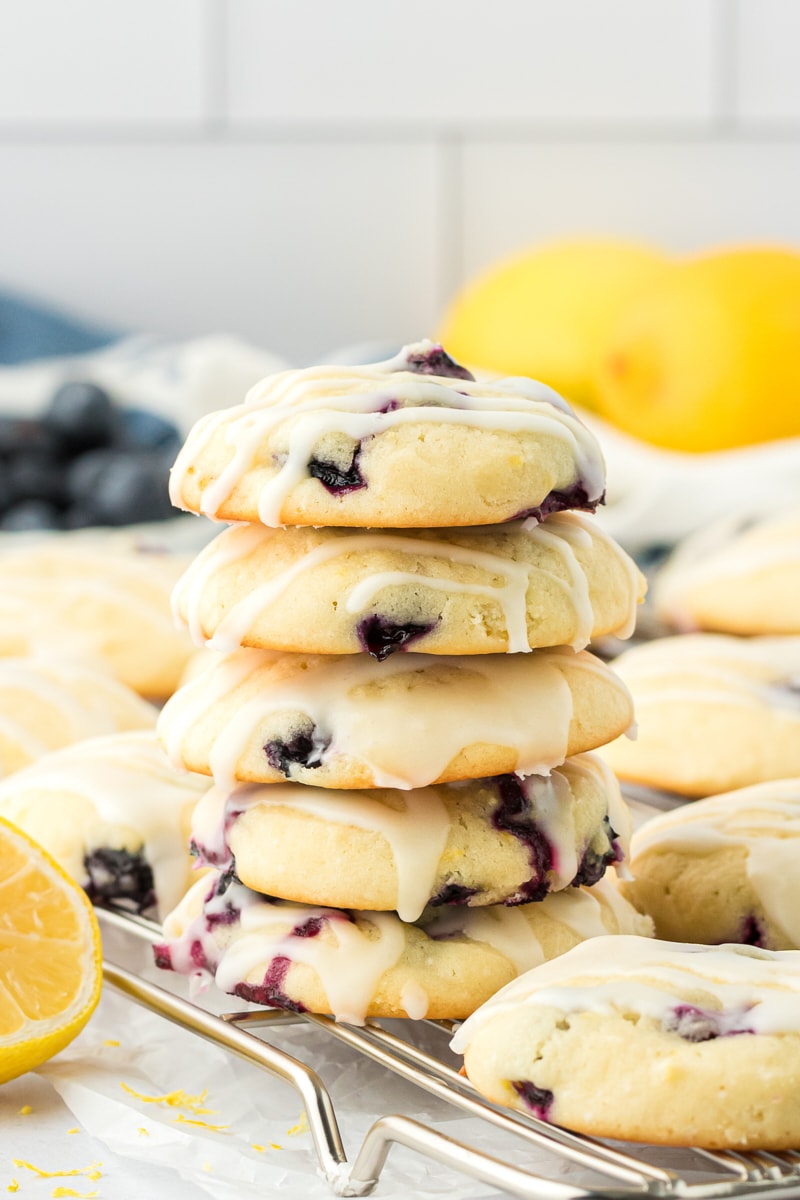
29 330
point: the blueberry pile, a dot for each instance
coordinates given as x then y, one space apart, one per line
85 461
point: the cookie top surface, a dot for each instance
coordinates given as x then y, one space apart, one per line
45 705
713 713
735 578
375 446
482 590
114 813
97 596
359 964
487 841
346 721
761 823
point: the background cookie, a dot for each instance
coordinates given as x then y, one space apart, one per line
723 869
114 814
349 721
702 1044
735 578
374 446
713 713
490 841
470 591
372 964
96 596
47 705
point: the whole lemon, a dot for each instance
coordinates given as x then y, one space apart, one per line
708 356
548 312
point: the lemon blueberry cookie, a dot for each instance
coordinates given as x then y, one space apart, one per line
482 590
359 964
713 713
376 446
46 704
348 721
503 840
702 1043
723 869
115 815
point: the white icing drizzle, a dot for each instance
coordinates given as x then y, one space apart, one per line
349 967
764 820
131 784
508 587
642 975
415 1000
324 400
489 700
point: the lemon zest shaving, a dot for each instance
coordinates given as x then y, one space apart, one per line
182 1120
111 1042
207 1167
300 1127
177 1099
65 1191
25 1110
76 1129
13 1186
91 1172
255 1146
143 1132
275 1146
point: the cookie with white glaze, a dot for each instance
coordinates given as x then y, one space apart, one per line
45 705
97 596
483 590
360 964
489 841
713 713
723 869
348 721
735 577
702 1044
114 813
375 447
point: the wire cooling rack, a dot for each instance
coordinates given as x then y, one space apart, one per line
622 1170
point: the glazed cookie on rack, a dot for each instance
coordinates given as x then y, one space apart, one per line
115 815
374 446
263 716
735 578
503 840
100 596
723 869
483 590
702 1044
713 713
45 705
360 964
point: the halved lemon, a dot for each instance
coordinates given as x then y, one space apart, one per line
50 955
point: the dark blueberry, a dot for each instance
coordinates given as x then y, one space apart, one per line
435 361
568 498
310 928
30 515
539 1100
335 480
138 429
702 1025
197 954
271 990
37 475
593 864
753 932
120 488
306 749
82 416
380 637
24 435
453 893
513 814
163 956
119 876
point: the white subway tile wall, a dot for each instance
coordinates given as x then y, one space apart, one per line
312 173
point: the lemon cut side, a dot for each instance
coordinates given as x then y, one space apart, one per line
50 955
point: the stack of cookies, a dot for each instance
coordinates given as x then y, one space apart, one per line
397 834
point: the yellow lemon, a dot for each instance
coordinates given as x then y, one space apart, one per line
50 955
548 312
708 356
